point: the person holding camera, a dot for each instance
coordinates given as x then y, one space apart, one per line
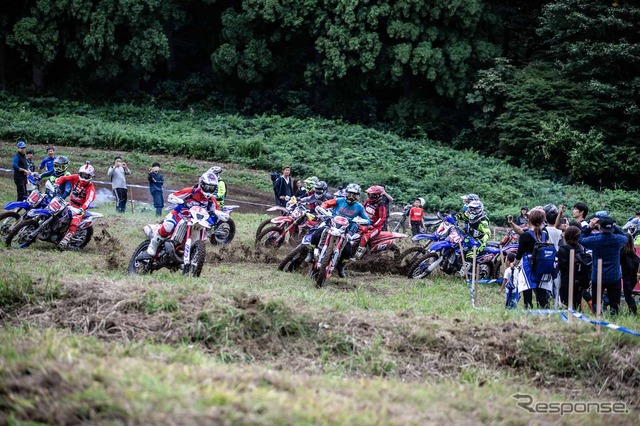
156 181
117 173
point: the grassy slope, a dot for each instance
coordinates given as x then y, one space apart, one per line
336 152
247 344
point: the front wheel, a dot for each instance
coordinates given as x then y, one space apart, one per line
223 233
396 225
261 227
294 260
270 237
408 257
198 253
81 238
323 270
420 268
143 266
7 221
23 235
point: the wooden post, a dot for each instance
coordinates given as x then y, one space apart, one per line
131 198
572 261
474 277
599 299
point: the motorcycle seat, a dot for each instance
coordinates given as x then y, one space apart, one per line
431 219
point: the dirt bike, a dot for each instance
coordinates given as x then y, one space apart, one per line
384 241
51 224
399 221
224 228
185 248
285 211
290 227
17 210
447 255
296 259
508 244
407 258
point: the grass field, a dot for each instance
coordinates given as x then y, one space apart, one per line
82 342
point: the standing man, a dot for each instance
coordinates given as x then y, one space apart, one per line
46 165
283 187
156 181
606 246
20 171
117 173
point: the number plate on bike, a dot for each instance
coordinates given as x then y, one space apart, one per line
34 197
57 204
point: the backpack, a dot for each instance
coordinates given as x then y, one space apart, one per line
274 177
543 259
582 267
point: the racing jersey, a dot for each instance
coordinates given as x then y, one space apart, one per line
82 192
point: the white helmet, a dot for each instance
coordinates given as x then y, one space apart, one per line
466 199
352 193
208 184
216 170
86 172
476 211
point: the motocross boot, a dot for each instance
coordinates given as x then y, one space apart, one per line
341 271
64 242
309 258
154 245
360 252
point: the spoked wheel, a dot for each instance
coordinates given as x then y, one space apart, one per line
323 270
223 233
140 267
261 227
7 221
81 238
294 260
396 225
23 235
408 257
198 253
420 268
268 238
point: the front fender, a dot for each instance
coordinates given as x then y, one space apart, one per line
40 212
282 219
16 205
440 245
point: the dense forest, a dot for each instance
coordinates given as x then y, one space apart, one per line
550 85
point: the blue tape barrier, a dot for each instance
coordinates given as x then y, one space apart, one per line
602 323
497 281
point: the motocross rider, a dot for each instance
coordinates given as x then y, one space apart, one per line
82 195
349 208
202 195
377 212
317 195
477 223
222 186
60 168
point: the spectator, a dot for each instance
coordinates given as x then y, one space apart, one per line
630 268
117 173
32 168
283 187
579 214
20 171
508 282
416 214
606 246
526 285
156 181
580 287
46 165
522 219
300 191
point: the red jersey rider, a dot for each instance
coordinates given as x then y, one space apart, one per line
82 195
377 212
201 195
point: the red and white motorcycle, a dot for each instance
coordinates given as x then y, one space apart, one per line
185 249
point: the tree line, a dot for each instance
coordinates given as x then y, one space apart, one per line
550 85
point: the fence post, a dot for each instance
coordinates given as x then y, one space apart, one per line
599 299
474 277
572 262
131 194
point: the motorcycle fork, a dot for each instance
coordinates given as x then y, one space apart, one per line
186 259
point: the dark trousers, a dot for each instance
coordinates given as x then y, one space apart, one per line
614 292
121 199
579 292
158 201
627 287
415 227
542 297
21 187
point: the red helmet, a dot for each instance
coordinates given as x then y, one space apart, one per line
375 192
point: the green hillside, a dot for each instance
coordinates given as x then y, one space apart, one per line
334 151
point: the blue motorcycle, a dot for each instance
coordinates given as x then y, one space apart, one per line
447 255
17 210
295 259
424 241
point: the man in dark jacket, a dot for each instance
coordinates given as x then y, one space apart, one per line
606 246
21 171
283 187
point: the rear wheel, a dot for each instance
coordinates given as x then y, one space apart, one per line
81 238
7 221
396 225
23 235
223 233
269 238
420 268
140 267
294 260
